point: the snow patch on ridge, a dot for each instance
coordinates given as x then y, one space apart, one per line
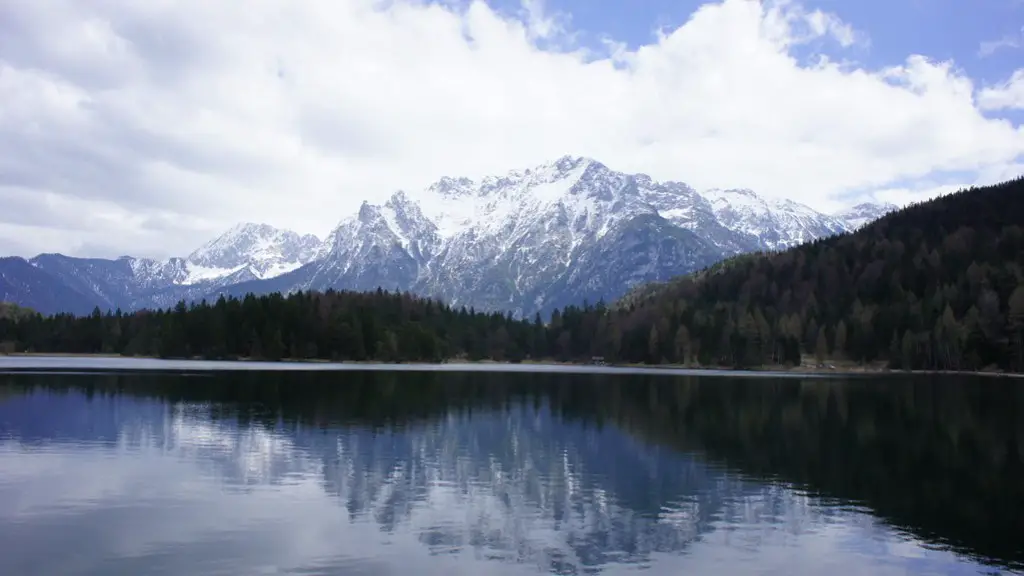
195 274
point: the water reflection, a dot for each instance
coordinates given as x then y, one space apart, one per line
383 473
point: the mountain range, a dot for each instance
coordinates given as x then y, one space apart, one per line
525 242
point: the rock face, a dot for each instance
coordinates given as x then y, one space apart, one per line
526 242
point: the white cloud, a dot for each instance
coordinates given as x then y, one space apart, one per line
925 189
990 47
1006 96
142 127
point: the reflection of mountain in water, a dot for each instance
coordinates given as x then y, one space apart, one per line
523 483
502 463
520 483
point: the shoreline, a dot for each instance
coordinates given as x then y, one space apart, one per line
857 370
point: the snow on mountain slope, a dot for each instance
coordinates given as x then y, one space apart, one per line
261 249
246 252
773 224
494 203
515 242
380 246
151 273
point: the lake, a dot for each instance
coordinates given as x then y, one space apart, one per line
194 469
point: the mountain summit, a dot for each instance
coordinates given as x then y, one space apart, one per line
260 249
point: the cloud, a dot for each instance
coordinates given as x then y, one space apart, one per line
990 47
1006 96
145 127
926 188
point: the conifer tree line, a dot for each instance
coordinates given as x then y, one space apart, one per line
937 286
383 326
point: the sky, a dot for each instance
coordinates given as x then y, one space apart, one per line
147 128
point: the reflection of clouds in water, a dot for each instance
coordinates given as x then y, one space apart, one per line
239 455
832 548
463 495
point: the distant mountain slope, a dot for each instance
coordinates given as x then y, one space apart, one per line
863 214
109 283
261 250
246 252
23 284
937 285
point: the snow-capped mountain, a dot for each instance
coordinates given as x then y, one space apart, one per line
528 241
260 250
246 252
863 214
536 239
774 224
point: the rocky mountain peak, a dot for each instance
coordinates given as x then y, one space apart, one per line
568 163
452 187
399 199
259 249
368 213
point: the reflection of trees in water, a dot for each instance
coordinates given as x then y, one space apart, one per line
939 458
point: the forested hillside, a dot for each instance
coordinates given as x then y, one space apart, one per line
937 285
14 312
333 325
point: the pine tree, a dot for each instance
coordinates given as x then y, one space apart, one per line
840 340
682 345
653 346
1015 325
821 346
907 351
895 351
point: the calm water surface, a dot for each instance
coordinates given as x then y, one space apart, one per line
477 473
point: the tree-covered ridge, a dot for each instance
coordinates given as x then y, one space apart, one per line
353 326
937 285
